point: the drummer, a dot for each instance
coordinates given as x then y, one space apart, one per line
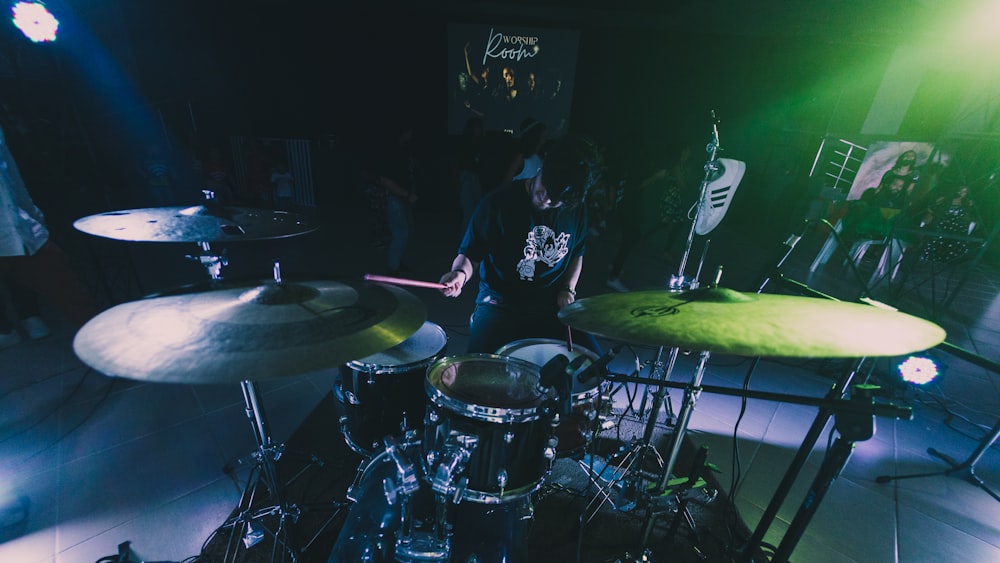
528 239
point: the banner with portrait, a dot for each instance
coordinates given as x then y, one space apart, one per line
889 157
504 74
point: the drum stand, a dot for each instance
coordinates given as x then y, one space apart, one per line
246 526
211 261
624 476
691 394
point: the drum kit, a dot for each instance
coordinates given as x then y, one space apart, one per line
454 447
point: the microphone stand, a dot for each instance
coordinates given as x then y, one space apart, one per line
678 281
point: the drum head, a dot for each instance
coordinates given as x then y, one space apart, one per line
540 350
421 347
487 387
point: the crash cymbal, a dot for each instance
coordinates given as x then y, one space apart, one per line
256 332
729 322
200 223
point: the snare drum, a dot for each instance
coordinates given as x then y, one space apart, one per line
383 394
488 419
576 431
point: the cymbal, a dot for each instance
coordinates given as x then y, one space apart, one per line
199 223
729 322
255 332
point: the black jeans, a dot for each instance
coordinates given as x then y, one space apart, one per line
493 327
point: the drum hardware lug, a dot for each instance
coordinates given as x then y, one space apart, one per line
502 479
526 510
433 416
410 437
405 470
404 423
466 442
508 437
550 448
463 484
390 490
453 458
607 405
352 398
555 420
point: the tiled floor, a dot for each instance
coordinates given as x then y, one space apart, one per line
102 461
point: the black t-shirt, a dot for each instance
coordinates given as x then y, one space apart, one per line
523 252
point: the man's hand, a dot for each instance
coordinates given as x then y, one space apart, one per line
453 282
565 297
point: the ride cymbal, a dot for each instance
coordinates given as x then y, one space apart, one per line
256 332
729 322
199 223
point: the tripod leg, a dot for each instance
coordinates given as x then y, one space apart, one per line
966 469
794 468
832 465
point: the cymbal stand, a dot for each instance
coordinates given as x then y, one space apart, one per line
211 261
678 281
245 525
605 480
644 448
691 394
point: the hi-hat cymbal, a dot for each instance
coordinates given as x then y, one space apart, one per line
199 223
255 332
729 322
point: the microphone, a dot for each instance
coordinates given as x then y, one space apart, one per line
598 367
553 371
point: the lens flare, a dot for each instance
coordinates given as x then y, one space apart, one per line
918 370
35 21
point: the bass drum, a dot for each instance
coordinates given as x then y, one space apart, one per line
488 426
477 533
575 431
383 394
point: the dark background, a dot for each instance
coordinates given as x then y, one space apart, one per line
780 76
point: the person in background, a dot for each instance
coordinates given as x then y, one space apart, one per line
219 176
158 177
468 167
394 174
283 186
31 264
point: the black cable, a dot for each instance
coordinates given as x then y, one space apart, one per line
731 513
38 381
53 411
93 410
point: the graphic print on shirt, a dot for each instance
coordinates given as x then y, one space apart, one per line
542 245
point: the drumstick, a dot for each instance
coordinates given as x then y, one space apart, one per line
569 338
403 281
